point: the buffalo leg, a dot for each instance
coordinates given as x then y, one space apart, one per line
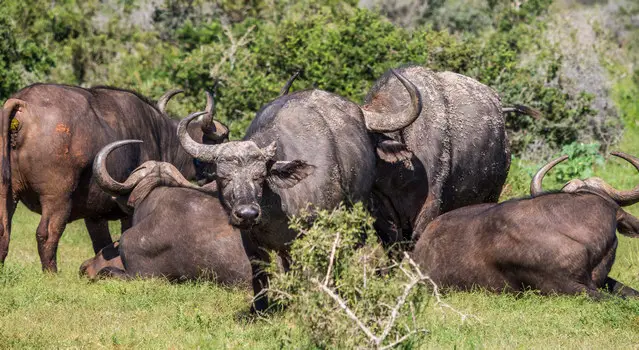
600 272
5 228
107 258
615 287
259 279
99 233
430 210
55 214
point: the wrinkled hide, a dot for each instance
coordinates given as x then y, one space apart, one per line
460 150
51 133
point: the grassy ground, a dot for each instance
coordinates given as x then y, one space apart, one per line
45 311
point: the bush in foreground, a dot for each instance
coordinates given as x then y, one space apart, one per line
344 289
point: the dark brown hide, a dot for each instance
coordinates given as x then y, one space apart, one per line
180 231
51 133
180 234
460 150
555 243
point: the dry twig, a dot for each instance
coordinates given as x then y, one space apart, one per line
331 260
439 302
229 54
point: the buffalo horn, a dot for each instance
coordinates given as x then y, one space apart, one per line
535 185
166 97
382 122
102 177
213 129
288 84
623 198
197 150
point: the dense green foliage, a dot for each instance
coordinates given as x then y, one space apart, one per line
252 47
340 251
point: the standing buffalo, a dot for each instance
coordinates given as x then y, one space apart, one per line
460 150
314 136
180 231
50 136
561 242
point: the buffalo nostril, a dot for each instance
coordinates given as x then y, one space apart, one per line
247 212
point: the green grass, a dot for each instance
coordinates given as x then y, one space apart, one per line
45 311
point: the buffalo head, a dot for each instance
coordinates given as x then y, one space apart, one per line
593 184
140 182
242 167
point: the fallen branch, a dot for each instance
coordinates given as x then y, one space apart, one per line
331 260
377 341
348 311
438 300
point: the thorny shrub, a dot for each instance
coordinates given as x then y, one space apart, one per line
361 274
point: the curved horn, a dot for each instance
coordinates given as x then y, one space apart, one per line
213 129
102 177
623 198
535 185
381 122
166 97
289 83
210 106
206 153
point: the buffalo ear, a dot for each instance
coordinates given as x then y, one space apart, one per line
214 132
392 151
269 151
286 174
627 224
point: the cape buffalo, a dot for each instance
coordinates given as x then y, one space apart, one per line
180 231
460 150
561 242
50 136
314 136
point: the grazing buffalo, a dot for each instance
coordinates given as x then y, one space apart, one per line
50 136
308 148
460 152
180 231
561 242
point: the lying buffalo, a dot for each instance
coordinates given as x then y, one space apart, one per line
305 148
180 231
460 150
50 136
562 242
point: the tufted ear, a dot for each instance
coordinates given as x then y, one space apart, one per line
269 151
286 174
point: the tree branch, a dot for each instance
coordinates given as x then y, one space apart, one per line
331 260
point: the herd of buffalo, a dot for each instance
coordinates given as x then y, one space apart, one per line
427 153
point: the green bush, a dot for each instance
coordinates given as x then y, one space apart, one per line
339 252
252 48
582 159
